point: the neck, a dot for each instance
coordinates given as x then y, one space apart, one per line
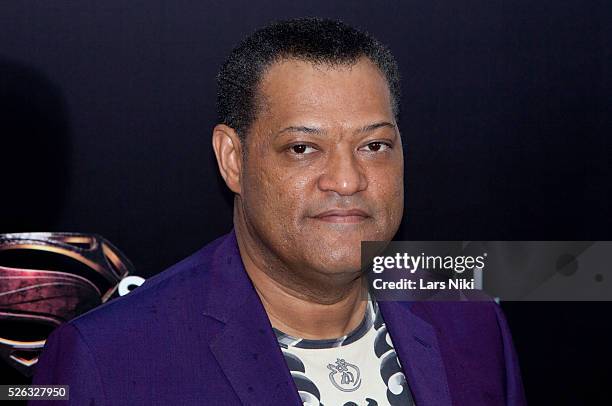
311 309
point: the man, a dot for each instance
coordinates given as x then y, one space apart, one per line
272 313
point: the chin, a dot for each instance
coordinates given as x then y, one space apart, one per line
333 253
342 260
348 270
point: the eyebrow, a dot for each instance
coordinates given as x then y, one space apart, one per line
301 129
376 126
316 130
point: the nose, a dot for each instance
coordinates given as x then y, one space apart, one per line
343 174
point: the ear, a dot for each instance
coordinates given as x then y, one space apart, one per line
228 150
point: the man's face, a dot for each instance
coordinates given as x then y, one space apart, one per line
324 165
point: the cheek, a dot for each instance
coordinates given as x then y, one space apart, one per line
274 194
388 191
387 183
396 197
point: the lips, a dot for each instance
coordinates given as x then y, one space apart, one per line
342 216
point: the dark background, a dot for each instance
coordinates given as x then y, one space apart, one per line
106 111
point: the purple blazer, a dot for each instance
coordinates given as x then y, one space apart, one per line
197 334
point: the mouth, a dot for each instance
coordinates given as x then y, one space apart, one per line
350 216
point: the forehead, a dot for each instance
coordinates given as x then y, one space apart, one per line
295 90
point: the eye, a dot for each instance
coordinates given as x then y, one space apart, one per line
301 149
377 146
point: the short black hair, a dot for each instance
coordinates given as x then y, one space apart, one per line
316 40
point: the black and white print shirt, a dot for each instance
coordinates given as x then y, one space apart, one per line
360 368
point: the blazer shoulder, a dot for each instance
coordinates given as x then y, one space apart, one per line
168 289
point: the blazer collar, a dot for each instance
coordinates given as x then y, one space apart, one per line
249 354
417 348
246 347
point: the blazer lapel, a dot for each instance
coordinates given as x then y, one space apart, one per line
417 348
246 348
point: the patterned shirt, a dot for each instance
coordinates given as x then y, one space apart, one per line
360 368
